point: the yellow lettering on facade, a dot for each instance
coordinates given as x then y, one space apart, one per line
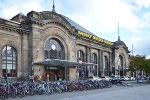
95 38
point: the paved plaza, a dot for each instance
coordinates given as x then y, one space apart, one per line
138 91
134 93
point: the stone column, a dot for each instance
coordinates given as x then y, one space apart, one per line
99 63
110 64
87 60
30 53
22 54
102 63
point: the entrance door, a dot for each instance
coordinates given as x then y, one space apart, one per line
52 71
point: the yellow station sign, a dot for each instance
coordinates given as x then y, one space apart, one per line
95 38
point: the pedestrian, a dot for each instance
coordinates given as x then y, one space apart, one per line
6 79
37 78
44 74
34 78
30 78
55 78
58 77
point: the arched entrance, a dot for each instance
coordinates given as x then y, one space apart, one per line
54 50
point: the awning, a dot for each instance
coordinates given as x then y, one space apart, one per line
63 63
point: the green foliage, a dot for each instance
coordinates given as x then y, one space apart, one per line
139 62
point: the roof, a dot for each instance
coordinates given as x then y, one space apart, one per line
77 26
63 63
84 32
10 20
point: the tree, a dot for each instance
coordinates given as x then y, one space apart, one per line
146 66
140 63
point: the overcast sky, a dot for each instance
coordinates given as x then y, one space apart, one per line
100 17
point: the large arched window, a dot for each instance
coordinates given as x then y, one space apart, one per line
9 61
54 49
80 56
106 66
94 60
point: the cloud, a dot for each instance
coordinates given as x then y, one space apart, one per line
16 6
143 3
146 19
141 45
103 16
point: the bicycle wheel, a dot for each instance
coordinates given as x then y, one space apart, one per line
46 91
60 90
40 92
85 88
13 94
6 95
2 97
23 93
31 92
20 94
51 91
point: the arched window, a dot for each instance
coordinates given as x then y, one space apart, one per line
80 56
9 61
54 49
94 60
106 66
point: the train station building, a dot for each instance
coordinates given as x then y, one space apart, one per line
51 43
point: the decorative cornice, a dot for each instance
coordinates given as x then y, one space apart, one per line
46 17
9 25
120 44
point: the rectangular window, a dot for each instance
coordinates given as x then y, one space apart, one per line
3 57
9 58
3 66
14 58
14 66
9 66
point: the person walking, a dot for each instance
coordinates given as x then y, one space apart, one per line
6 79
58 77
55 78
44 76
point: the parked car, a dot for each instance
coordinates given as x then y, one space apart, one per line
107 78
95 78
122 78
126 78
132 78
143 78
114 79
148 78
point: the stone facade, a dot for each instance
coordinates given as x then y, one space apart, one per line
29 34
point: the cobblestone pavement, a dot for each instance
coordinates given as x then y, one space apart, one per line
138 91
